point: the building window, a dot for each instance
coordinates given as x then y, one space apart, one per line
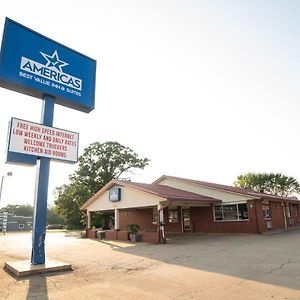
154 215
21 226
231 212
173 215
243 211
115 194
266 210
218 212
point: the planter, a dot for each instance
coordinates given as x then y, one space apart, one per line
100 235
135 237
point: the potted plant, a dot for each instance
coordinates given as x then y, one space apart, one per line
133 230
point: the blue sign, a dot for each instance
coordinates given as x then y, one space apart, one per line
33 64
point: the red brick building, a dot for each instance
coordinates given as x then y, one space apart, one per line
178 205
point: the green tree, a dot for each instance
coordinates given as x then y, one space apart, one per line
26 210
271 183
99 163
53 217
18 210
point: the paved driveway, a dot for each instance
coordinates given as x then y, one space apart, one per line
188 267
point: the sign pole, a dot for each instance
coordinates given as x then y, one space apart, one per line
41 192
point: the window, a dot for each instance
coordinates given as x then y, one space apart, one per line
231 212
218 210
266 210
115 194
21 226
173 215
154 215
243 211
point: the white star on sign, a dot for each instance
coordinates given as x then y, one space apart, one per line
54 61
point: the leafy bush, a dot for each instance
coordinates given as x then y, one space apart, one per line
133 228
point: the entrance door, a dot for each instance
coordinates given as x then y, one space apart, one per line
186 220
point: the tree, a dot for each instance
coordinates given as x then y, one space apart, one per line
99 164
271 183
18 210
53 216
27 211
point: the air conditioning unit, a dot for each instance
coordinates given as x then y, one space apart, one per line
269 224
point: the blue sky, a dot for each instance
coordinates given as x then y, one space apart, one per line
206 89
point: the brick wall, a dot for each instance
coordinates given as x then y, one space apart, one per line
91 233
261 222
150 237
172 227
142 217
122 235
277 215
203 221
110 234
295 213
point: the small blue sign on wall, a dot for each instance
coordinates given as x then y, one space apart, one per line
33 64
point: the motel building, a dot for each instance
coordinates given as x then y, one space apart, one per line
173 205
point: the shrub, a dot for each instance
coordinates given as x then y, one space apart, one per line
133 228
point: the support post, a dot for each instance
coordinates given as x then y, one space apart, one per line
162 224
284 215
41 192
117 222
88 219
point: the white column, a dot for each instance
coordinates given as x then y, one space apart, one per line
117 220
88 219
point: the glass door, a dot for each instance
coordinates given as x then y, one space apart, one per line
186 220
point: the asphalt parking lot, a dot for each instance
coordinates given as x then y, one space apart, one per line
188 267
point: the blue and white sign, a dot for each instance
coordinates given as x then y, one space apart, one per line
35 65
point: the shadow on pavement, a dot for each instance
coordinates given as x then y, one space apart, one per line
37 288
272 259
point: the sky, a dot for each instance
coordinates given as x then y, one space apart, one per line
206 90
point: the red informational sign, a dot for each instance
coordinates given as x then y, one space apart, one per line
43 141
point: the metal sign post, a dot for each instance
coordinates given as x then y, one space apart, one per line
41 192
35 65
